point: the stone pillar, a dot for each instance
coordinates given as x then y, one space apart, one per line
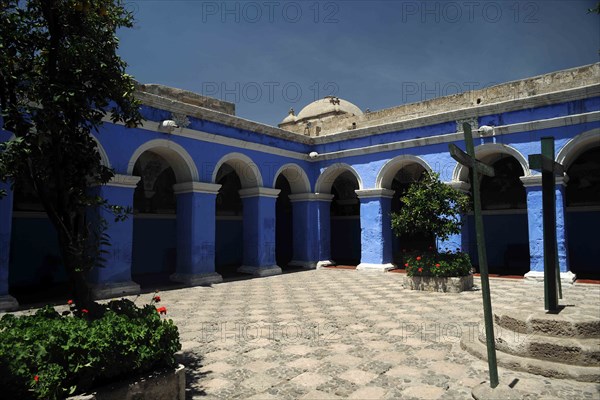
376 230
196 202
7 302
259 231
114 279
535 213
312 237
459 240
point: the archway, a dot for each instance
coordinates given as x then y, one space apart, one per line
504 207
407 175
345 220
583 212
154 248
229 222
283 223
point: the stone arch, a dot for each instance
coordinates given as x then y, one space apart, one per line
491 152
178 158
103 154
296 176
577 146
391 168
244 167
328 176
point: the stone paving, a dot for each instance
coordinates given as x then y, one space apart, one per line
329 334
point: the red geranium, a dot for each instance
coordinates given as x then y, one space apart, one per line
70 302
36 378
156 299
437 265
162 310
84 311
419 258
406 265
420 269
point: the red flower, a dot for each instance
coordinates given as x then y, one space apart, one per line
420 269
406 265
36 378
161 310
83 310
70 302
419 258
437 265
156 299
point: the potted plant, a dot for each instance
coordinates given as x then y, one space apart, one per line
430 206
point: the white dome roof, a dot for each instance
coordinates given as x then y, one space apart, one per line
328 105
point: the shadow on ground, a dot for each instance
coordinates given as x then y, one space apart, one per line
193 376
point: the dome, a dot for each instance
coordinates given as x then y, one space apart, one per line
290 117
328 105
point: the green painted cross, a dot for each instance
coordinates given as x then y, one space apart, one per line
475 169
545 162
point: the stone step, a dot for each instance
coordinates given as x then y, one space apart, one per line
569 323
573 351
547 368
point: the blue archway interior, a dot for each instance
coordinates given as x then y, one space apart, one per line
583 214
345 220
408 242
284 223
504 206
229 222
155 218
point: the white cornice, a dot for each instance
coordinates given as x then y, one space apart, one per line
536 180
259 191
196 187
374 193
126 181
460 186
310 197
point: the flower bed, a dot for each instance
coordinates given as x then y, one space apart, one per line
438 272
50 355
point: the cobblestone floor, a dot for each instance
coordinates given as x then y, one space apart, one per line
329 334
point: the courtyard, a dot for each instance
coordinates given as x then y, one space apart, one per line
327 334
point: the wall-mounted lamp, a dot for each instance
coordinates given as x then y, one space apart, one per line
167 126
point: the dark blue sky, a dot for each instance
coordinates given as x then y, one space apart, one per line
268 56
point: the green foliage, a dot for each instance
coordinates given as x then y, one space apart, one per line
59 77
433 263
432 207
50 356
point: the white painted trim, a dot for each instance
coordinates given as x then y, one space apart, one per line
375 193
103 154
538 277
391 167
178 158
576 146
460 186
244 167
398 145
196 187
124 181
297 178
460 172
536 180
310 197
259 191
368 267
329 175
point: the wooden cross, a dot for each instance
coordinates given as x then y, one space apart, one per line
475 169
545 162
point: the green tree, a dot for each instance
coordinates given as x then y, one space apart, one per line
59 77
430 206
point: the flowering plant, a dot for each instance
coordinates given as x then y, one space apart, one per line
432 263
51 355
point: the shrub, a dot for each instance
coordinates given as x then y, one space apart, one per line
48 355
437 264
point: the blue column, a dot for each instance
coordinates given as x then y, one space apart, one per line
7 302
310 213
535 220
196 203
459 240
259 231
376 230
114 279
